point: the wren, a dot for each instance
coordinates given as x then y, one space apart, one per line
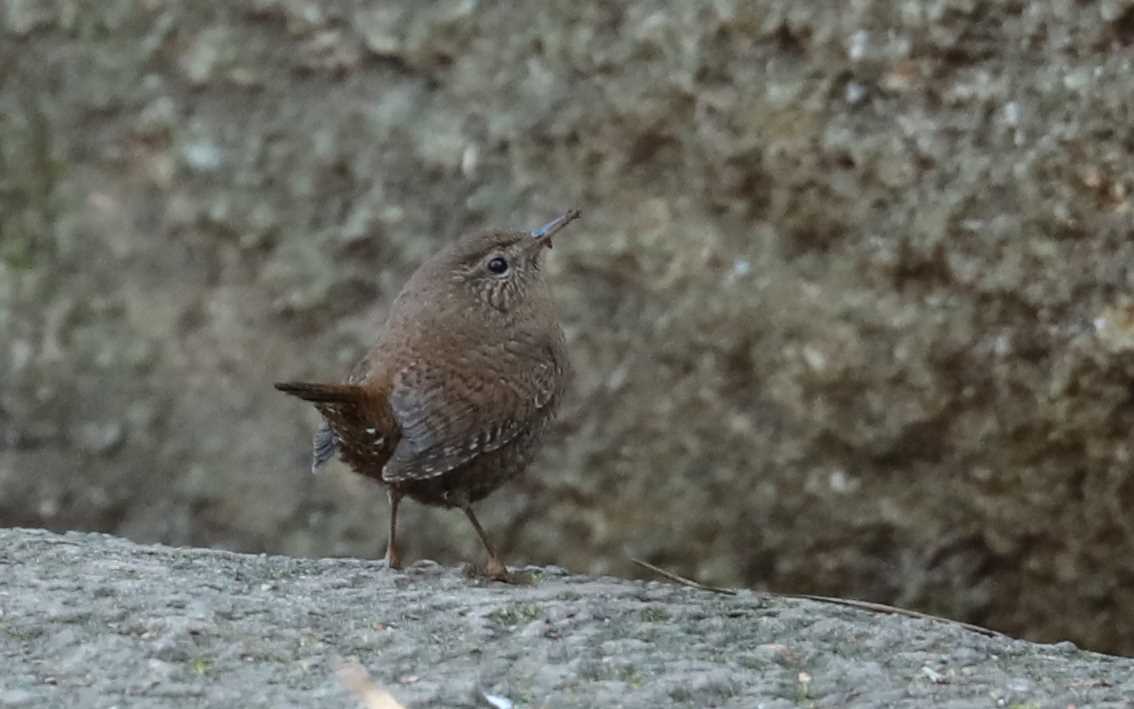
453 399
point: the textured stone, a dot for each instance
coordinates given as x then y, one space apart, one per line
95 621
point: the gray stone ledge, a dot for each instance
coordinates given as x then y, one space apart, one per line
88 620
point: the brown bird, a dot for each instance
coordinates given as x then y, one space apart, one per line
453 399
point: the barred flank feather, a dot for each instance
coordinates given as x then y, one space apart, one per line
324 447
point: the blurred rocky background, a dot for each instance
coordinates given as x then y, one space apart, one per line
851 305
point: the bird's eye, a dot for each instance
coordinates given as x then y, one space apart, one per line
498 265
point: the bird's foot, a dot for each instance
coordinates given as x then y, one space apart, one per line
393 560
495 570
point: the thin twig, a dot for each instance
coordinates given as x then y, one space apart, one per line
681 579
883 608
371 695
848 602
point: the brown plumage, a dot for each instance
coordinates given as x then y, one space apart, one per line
453 399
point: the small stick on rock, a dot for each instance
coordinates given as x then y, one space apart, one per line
681 579
848 602
358 681
893 610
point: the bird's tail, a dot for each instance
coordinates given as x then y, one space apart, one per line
323 393
336 402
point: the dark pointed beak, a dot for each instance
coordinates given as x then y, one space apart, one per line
545 232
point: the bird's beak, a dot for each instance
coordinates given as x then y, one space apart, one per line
545 232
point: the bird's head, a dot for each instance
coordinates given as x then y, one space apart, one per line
502 270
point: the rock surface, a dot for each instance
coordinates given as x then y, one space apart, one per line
96 621
852 302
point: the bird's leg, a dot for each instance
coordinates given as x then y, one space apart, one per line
393 559
496 568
